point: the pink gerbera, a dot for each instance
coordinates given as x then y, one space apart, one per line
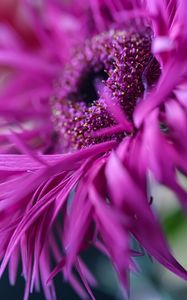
93 108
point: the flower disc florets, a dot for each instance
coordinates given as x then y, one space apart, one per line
116 65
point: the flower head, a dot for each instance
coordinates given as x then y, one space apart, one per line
90 109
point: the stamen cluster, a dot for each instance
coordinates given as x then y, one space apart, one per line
117 65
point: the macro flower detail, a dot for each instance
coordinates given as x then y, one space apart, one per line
93 106
118 65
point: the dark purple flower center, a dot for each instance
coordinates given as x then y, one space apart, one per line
89 86
118 65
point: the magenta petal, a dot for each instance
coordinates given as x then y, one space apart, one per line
143 222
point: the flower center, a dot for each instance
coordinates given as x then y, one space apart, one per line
91 86
118 65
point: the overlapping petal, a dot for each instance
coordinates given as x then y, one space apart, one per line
53 206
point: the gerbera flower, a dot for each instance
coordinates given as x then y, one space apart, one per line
93 108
